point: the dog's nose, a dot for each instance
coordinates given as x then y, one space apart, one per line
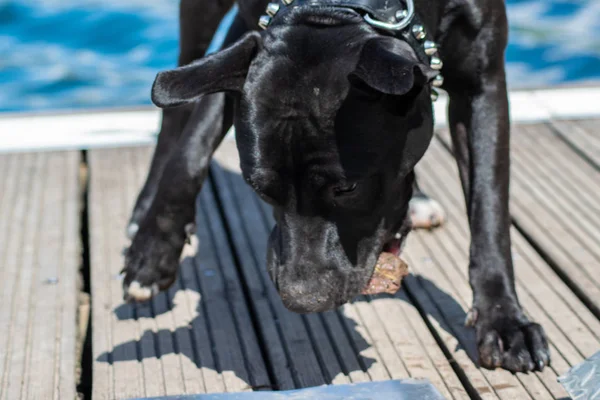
308 296
298 301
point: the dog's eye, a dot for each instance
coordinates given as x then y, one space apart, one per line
345 189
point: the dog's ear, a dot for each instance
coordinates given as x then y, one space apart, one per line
225 70
389 66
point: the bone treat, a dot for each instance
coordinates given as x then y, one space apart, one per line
387 275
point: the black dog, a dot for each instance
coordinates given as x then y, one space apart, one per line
331 116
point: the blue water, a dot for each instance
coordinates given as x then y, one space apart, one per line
66 54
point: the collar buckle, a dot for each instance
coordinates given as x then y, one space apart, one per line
404 17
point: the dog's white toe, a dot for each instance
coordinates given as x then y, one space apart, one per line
138 292
426 213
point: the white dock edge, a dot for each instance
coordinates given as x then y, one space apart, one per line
115 128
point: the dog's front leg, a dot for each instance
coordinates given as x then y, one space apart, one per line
172 125
198 21
479 124
152 260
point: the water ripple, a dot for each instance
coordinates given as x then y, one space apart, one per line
60 54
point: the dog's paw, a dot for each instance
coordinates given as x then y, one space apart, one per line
514 344
151 263
426 213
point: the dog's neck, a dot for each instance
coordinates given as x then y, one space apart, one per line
391 17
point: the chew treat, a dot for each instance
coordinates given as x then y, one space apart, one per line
387 275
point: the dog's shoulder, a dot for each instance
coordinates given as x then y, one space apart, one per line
473 15
473 35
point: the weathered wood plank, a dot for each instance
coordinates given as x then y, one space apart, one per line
12 219
372 338
534 188
239 357
26 274
114 324
55 289
182 341
39 230
364 345
47 263
102 344
137 163
212 379
583 136
15 310
232 283
69 273
563 227
348 358
561 162
557 185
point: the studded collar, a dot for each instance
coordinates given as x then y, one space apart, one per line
395 17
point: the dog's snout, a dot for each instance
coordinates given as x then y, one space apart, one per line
311 271
304 285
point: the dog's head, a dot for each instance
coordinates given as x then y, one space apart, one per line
331 119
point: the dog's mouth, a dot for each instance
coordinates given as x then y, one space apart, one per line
306 290
394 246
390 269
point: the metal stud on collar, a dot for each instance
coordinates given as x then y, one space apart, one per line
418 32
430 47
264 21
436 63
272 9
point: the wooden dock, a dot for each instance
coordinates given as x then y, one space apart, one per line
222 326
